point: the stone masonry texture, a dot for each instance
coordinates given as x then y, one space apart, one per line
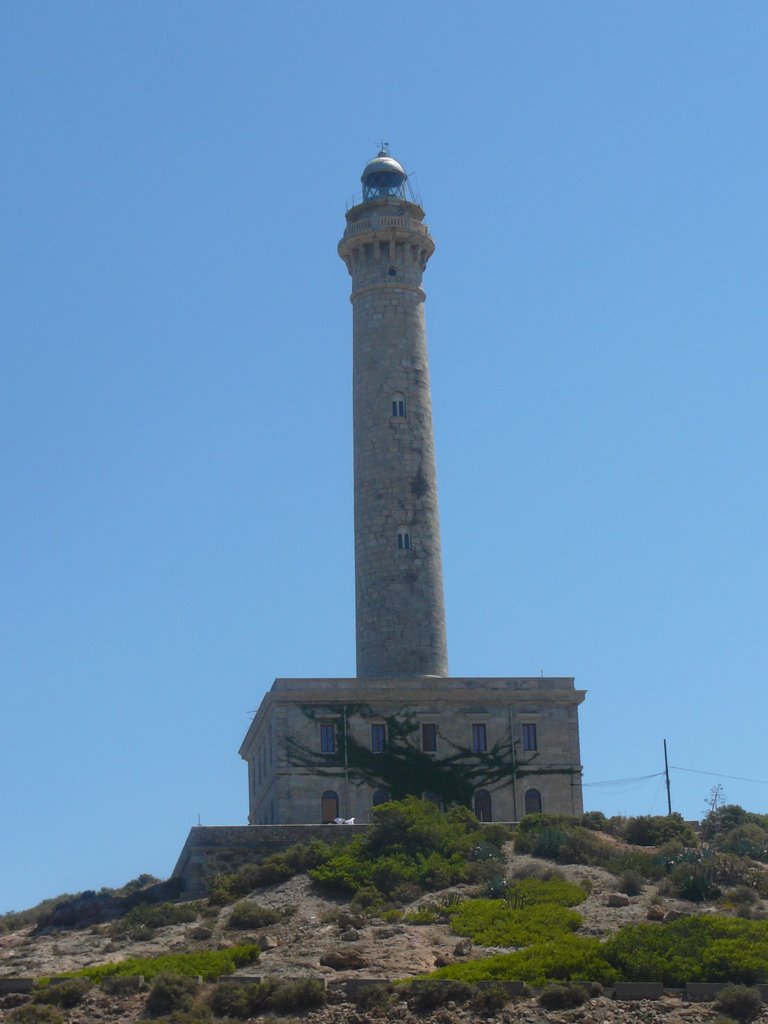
399 604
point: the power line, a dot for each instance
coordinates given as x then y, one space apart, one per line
625 781
719 775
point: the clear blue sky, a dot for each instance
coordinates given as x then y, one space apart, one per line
175 387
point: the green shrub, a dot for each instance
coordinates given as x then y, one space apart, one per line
66 993
631 883
747 840
489 1000
249 914
562 958
704 948
594 820
412 847
428 996
242 1001
155 915
235 1000
276 868
653 830
36 1013
171 992
378 996
547 890
651 866
209 964
296 996
739 1002
563 997
199 1014
493 923
424 915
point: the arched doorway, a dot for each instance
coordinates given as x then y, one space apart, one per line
532 801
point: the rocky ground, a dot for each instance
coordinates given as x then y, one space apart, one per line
320 930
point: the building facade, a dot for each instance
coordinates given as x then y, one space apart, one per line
321 749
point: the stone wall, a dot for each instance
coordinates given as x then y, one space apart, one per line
214 849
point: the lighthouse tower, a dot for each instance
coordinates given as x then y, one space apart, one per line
399 603
322 749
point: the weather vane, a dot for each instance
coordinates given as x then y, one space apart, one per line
385 147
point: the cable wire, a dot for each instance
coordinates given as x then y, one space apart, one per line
623 782
719 775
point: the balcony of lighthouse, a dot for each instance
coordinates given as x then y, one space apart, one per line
388 229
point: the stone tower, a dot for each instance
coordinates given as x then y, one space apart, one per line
400 611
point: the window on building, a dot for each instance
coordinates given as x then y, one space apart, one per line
529 736
329 807
328 738
479 741
483 805
429 737
532 801
404 539
380 796
398 406
378 738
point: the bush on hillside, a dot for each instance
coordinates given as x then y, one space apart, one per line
241 1001
155 915
209 964
65 994
36 1013
171 992
654 830
493 923
249 914
428 996
412 847
276 868
748 840
561 958
563 997
739 1002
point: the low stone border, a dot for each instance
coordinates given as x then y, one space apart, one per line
638 990
16 985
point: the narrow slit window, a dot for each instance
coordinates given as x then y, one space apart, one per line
483 805
398 406
328 738
529 736
378 738
429 738
403 539
479 739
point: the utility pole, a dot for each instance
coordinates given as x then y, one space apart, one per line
666 776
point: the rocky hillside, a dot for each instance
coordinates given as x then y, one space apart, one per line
305 931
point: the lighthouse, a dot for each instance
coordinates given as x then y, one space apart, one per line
321 749
400 611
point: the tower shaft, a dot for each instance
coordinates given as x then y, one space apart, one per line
400 611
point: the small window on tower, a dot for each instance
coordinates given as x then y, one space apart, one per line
479 740
404 539
398 406
378 738
429 737
529 736
392 272
328 738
